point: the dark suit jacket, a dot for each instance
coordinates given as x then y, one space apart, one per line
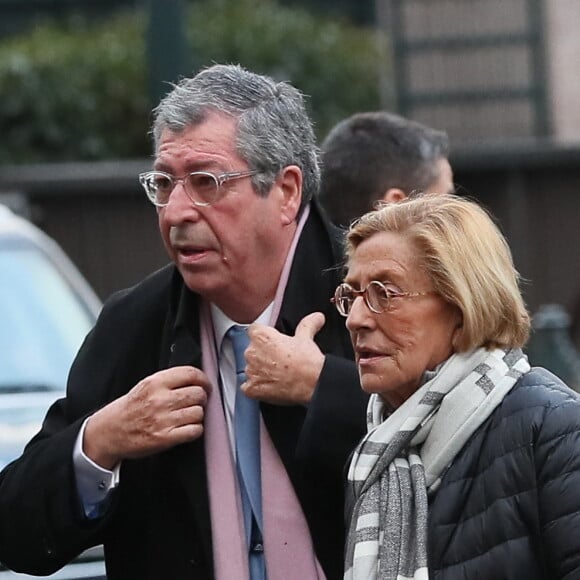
158 523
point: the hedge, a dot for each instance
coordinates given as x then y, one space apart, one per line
81 92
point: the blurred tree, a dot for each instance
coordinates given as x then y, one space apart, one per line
74 93
360 12
335 63
81 92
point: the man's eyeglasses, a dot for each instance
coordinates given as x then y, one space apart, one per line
377 296
202 187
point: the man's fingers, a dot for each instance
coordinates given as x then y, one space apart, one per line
188 416
187 432
188 396
184 376
310 325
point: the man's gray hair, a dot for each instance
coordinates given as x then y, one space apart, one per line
274 129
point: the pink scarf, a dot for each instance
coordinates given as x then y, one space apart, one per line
288 546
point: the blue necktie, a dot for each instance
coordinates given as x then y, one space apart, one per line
247 436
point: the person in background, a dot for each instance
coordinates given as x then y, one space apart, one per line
210 412
380 156
471 464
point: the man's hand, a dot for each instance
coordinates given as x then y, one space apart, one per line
163 410
284 369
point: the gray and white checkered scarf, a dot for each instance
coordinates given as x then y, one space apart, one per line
402 459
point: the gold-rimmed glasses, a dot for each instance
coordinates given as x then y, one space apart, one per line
377 296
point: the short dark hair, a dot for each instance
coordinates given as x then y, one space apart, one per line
368 153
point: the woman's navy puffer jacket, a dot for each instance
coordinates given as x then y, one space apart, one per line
509 505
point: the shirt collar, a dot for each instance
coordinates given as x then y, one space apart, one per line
222 323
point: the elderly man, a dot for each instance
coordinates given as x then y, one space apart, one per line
185 459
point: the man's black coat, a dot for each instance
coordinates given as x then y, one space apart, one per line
158 523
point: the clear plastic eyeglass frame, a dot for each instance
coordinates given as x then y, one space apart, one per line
202 187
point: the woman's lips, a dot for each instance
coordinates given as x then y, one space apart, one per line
366 356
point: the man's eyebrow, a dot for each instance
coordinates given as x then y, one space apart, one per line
160 165
192 166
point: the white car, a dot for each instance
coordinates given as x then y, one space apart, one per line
46 310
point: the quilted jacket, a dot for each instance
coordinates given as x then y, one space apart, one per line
509 505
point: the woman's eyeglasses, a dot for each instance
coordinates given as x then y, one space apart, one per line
377 296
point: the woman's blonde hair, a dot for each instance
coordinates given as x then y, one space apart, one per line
467 259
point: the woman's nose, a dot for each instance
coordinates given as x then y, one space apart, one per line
360 315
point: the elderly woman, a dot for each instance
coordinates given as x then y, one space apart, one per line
471 465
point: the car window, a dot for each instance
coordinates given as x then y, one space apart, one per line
42 321
46 310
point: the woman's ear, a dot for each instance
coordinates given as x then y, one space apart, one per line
457 336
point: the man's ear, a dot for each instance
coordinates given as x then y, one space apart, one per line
393 195
289 184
